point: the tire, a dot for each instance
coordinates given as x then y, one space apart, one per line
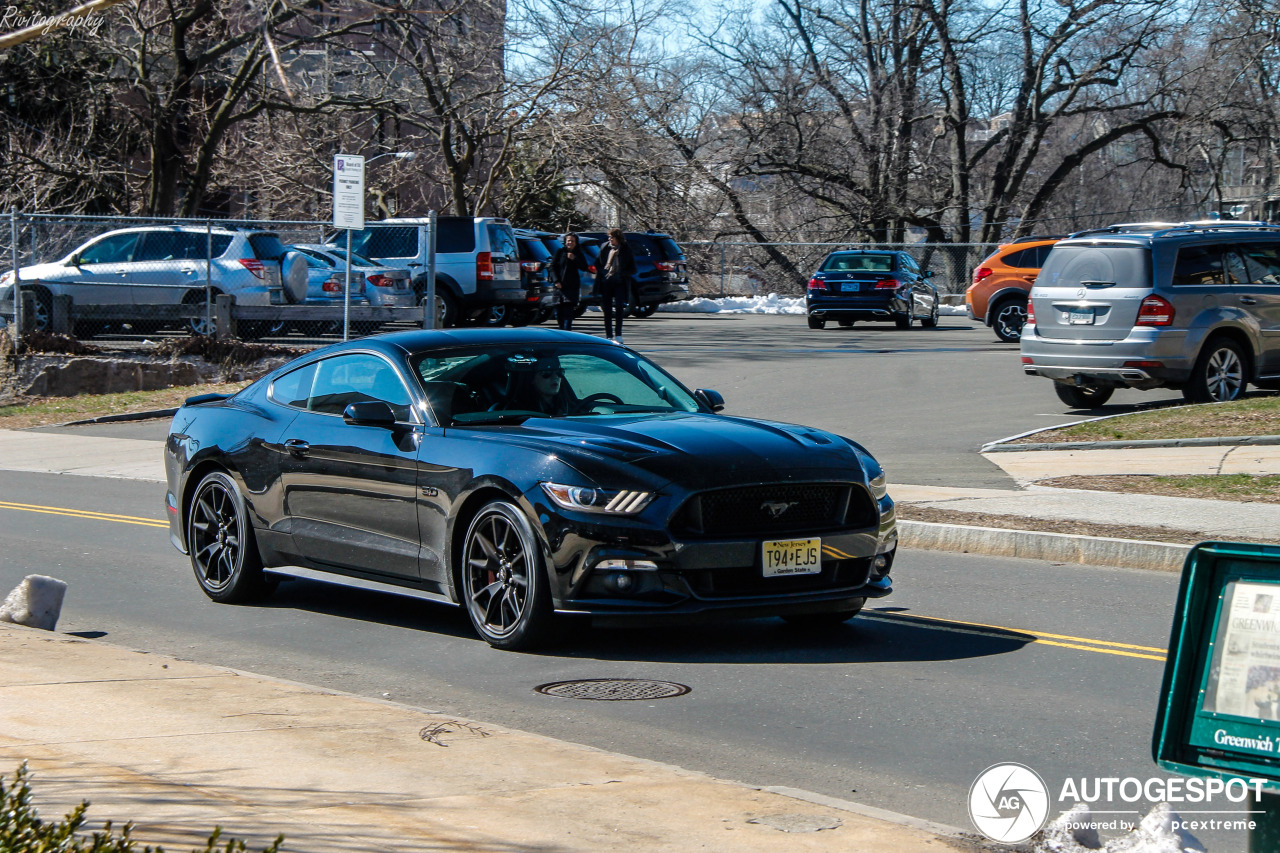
817 323
258 329
504 581
293 277
825 620
646 310
931 322
1008 318
1083 396
580 310
43 319
903 321
200 325
224 553
499 315
446 305
521 316
1219 374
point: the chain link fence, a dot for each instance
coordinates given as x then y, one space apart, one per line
719 269
125 280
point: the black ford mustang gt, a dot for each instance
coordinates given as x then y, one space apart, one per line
522 473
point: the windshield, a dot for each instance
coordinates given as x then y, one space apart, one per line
858 263
512 383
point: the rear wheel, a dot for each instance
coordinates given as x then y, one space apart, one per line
446 305
1083 396
1008 318
580 310
504 580
903 321
817 323
1219 374
648 309
220 540
931 322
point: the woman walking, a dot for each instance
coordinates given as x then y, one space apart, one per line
616 266
566 268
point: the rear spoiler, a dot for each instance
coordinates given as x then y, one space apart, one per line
204 398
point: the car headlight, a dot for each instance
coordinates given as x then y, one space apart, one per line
590 499
879 485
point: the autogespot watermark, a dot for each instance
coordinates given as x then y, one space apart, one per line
15 19
1011 802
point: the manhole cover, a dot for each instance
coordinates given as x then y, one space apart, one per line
613 689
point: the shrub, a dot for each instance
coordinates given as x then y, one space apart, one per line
22 830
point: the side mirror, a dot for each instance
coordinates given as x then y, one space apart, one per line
711 399
74 260
370 413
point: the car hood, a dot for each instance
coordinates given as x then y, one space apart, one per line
697 450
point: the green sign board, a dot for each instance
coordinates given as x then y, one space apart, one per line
1219 712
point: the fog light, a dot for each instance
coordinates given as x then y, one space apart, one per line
622 581
632 565
879 563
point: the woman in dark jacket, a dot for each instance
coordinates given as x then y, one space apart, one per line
614 270
566 268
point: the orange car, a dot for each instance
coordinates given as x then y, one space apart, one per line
998 295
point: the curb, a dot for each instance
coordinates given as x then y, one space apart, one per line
1052 547
1134 444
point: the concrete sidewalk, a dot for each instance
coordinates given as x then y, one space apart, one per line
179 748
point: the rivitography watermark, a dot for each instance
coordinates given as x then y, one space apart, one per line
14 18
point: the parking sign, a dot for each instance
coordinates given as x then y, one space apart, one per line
348 191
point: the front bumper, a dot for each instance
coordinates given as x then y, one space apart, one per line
685 579
1146 358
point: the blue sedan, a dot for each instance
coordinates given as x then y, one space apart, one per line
864 284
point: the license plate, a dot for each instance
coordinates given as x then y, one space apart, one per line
792 557
1080 317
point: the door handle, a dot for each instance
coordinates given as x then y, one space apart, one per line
297 446
1248 300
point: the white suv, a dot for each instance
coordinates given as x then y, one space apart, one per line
162 265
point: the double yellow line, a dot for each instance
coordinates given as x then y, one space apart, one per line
84 513
1066 641
933 623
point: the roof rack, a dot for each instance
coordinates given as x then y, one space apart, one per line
1160 229
1034 237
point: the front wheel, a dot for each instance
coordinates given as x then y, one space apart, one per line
1083 396
1009 318
201 324
1219 374
220 540
504 581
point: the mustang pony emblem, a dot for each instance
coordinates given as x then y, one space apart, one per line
777 508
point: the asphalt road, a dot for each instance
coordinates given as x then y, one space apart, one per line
900 709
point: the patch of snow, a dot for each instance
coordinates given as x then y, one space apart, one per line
36 602
769 304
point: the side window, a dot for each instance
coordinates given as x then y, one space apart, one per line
502 241
294 387
116 249
1199 265
357 378
1262 260
171 246
909 263
1019 259
1042 254
1234 264
640 247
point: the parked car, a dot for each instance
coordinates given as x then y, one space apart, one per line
662 275
998 295
586 281
1193 306
164 265
541 295
477 261
630 498
372 282
866 284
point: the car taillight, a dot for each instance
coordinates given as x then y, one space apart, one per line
665 266
1155 311
254 266
817 284
980 273
379 280
484 267
888 284
332 286
1031 312
531 266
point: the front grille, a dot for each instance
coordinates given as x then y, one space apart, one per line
749 580
772 509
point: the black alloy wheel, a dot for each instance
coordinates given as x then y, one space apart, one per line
504 581
648 309
1008 319
1083 396
1219 374
817 322
224 553
903 321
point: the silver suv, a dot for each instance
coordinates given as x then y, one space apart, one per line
121 272
477 261
1193 306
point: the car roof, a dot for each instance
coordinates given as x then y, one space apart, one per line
1149 232
418 340
188 229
